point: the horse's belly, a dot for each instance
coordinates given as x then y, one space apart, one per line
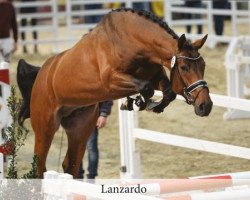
79 92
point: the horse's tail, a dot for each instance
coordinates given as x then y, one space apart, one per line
26 75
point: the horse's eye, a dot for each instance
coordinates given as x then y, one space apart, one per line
184 68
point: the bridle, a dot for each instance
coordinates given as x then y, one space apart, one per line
187 90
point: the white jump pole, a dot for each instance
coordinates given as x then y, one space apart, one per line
62 186
192 143
129 151
201 183
5 118
1 166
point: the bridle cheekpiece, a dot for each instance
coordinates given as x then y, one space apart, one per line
187 90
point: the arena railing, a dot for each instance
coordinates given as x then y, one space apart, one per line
207 11
50 18
237 63
171 8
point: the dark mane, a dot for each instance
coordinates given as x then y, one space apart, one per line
152 17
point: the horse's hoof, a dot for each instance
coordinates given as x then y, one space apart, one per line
152 105
136 108
158 110
128 104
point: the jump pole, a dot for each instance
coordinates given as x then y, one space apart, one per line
158 187
5 118
1 166
57 185
62 186
241 194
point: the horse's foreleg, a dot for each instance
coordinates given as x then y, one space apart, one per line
78 125
161 82
127 84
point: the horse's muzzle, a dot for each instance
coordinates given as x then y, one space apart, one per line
204 108
203 104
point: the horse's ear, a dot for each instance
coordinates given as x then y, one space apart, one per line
199 43
181 41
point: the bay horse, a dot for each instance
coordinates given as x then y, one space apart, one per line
125 54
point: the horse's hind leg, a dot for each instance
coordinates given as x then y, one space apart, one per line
44 127
43 141
78 126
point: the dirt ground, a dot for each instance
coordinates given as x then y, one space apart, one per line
157 160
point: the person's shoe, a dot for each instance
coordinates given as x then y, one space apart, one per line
91 179
35 49
25 49
222 44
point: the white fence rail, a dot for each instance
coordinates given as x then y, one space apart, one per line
50 19
207 12
237 62
129 133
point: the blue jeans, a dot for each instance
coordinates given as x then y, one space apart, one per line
219 19
93 157
193 4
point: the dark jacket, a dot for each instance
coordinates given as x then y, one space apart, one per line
8 20
105 108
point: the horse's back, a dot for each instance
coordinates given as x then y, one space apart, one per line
42 96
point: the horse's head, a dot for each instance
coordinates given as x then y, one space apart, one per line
187 72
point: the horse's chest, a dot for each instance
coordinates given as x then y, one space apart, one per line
145 72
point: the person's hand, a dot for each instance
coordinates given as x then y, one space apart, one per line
14 47
101 122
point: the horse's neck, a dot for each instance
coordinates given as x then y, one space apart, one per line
163 48
150 40
160 48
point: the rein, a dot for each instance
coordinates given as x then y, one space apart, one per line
187 90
